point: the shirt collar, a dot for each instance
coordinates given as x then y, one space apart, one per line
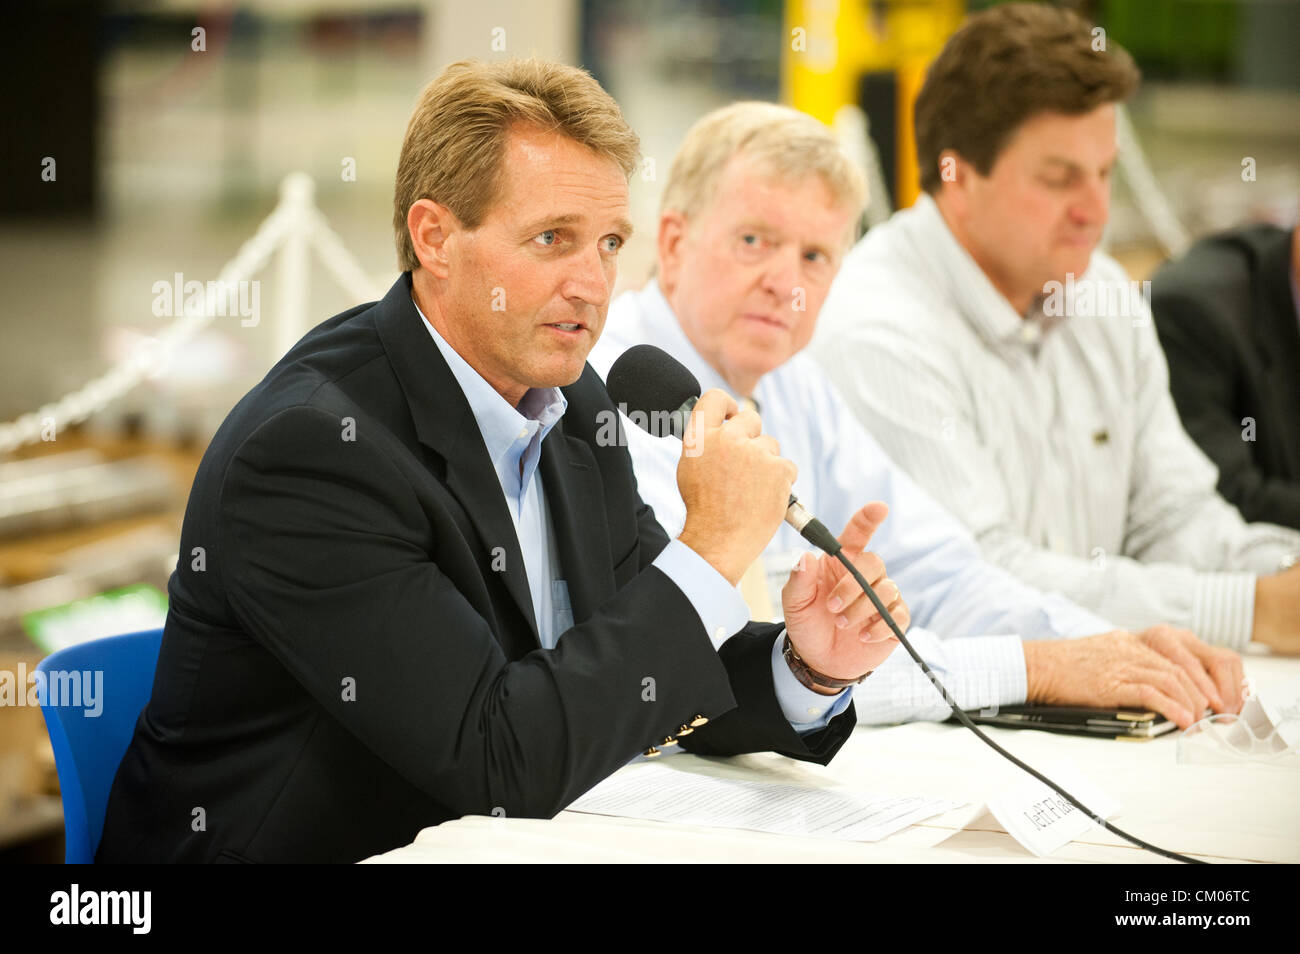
500 424
969 288
663 328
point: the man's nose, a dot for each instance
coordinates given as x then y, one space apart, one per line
782 274
588 280
1092 204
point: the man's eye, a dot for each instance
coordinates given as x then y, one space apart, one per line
549 237
613 243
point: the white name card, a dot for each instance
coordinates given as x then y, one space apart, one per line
1281 710
1042 820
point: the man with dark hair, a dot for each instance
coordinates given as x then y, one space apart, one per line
1014 370
1027 59
1228 314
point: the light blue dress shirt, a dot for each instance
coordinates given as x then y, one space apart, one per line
513 437
968 616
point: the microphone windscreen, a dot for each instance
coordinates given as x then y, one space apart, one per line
649 380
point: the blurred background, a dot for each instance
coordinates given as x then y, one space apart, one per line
151 145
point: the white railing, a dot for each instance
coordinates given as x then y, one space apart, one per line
293 229
1150 200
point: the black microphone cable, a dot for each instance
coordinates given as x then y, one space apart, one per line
815 532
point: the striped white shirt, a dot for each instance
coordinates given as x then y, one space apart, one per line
1054 438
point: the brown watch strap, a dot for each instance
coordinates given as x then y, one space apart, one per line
810 677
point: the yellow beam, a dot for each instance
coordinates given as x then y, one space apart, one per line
829 44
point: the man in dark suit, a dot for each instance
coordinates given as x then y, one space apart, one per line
1229 323
389 535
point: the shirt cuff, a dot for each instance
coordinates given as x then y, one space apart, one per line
984 673
980 672
721 609
805 710
1223 608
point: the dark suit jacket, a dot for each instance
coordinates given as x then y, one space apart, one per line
1228 326
342 665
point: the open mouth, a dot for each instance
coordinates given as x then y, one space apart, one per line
572 328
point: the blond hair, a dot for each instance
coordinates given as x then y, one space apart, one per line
455 142
783 141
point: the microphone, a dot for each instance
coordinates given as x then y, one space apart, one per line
657 392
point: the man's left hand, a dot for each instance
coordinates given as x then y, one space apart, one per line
1216 673
834 627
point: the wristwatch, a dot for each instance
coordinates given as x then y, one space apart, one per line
810 677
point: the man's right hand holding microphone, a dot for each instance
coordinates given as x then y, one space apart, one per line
736 488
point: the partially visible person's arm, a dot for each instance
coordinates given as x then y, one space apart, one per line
1176 515
1204 383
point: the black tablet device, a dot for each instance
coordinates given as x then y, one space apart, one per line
1124 724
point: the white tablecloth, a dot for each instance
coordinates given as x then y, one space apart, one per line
1220 812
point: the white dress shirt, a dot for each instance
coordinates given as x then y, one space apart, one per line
1054 438
968 616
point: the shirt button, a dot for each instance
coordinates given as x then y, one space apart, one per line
1029 332
719 634
814 711
524 432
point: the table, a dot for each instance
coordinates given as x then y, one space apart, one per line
1239 812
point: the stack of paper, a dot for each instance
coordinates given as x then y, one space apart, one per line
660 793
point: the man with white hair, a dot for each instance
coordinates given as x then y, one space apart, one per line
760 205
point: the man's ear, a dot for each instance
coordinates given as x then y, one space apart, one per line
673 227
956 176
433 228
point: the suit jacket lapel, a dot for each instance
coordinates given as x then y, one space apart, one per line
574 492
446 425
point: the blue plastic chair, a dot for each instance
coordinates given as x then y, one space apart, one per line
88 750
